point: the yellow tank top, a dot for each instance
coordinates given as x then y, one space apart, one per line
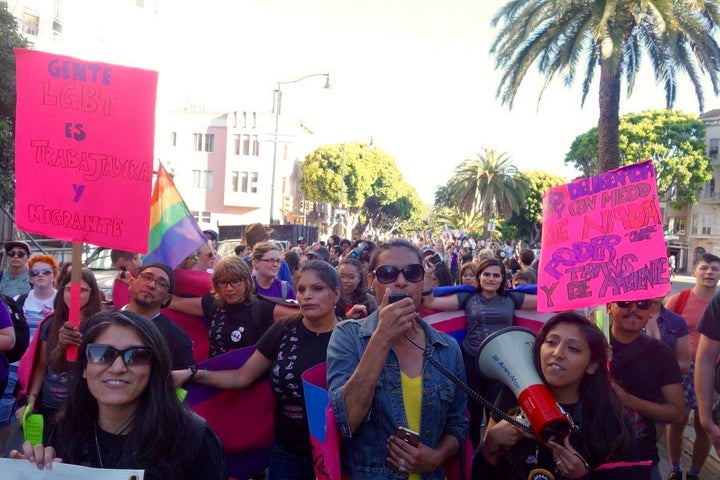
412 399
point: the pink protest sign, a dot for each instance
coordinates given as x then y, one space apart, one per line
84 150
602 240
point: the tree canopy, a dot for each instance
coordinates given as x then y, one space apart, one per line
527 223
674 140
562 36
9 39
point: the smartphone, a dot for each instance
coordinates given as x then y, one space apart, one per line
408 436
434 259
394 297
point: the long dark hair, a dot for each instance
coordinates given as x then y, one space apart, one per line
360 295
62 311
160 428
603 429
329 276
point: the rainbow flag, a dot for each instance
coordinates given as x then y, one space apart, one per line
174 233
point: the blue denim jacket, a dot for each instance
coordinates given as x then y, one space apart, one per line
443 404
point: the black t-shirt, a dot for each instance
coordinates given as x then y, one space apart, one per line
178 341
105 450
642 367
233 326
292 349
709 323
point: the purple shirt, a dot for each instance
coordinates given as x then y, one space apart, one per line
275 290
5 322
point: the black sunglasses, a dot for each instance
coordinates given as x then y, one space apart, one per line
640 304
106 354
413 273
14 253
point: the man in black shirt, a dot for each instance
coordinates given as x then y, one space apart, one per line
150 291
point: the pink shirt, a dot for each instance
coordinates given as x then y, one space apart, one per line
693 310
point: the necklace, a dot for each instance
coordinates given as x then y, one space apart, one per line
97 447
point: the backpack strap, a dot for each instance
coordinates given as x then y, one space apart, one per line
255 315
681 301
284 289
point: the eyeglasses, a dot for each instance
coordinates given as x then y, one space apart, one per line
160 283
16 253
413 273
640 304
68 289
37 272
106 354
232 283
273 261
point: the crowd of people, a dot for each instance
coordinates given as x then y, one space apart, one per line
359 306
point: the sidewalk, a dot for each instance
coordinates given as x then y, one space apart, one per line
711 469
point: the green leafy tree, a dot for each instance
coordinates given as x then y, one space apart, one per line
675 142
612 36
9 39
487 185
365 180
527 224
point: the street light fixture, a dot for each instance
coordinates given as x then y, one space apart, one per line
277 105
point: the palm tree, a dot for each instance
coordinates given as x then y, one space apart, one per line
676 35
489 184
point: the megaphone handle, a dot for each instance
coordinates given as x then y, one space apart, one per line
471 393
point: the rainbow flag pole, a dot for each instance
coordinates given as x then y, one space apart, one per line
174 232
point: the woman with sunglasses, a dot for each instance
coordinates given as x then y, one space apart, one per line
571 356
487 310
122 410
47 385
39 302
235 315
379 379
288 348
266 260
359 303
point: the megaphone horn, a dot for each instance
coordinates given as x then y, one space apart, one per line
506 355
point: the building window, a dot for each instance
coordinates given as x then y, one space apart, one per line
253 182
244 119
173 139
30 23
246 144
197 142
208 146
235 180
245 182
236 144
209 142
678 225
203 179
255 146
205 217
254 120
701 225
713 148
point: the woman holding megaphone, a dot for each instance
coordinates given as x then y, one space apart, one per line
571 356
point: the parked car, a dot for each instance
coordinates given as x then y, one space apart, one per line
99 262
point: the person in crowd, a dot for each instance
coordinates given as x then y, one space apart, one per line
645 375
15 279
318 252
214 238
39 301
122 410
571 356
302 243
453 261
378 379
468 274
255 233
47 385
442 276
266 262
203 259
527 257
520 278
236 316
128 264
335 254
292 258
512 266
488 309
691 304
285 351
7 342
150 291
359 302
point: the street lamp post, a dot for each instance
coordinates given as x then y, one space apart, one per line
277 106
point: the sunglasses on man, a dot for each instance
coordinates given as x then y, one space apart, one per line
413 273
640 304
15 253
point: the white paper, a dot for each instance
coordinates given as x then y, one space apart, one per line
11 469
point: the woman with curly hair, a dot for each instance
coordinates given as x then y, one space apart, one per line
359 302
571 356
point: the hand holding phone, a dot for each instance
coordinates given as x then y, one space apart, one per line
394 297
408 436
